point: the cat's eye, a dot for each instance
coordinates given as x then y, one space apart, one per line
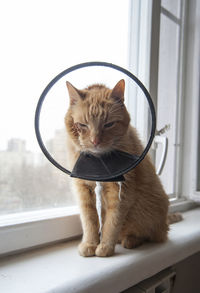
82 125
107 125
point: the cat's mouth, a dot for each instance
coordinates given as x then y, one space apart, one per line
101 148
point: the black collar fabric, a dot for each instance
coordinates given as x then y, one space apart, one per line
105 167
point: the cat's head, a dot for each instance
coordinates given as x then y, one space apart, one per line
97 119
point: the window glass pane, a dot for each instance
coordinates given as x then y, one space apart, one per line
168 82
172 7
39 39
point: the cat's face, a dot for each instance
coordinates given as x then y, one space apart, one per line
99 118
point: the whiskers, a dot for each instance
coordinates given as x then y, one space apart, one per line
96 150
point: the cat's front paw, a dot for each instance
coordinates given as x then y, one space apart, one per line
87 249
104 249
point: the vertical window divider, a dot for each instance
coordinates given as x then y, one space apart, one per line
139 62
180 99
191 104
154 58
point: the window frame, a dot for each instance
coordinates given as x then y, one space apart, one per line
187 114
192 103
188 81
19 232
139 61
157 10
22 231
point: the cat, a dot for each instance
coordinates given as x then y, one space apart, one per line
97 121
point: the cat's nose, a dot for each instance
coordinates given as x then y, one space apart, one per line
95 141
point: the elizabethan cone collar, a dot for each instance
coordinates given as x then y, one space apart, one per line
104 166
108 167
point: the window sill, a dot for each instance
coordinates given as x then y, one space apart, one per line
59 268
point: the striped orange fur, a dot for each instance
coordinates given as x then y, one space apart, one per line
97 121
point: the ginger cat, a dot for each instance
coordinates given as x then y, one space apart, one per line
97 121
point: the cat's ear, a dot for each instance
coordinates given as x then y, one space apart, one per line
118 91
74 93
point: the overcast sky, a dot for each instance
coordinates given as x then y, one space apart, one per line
41 38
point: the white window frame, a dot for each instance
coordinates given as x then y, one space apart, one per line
31 229
192 100
148 25
177 195
139 61
22 231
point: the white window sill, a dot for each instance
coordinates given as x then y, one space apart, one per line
59 268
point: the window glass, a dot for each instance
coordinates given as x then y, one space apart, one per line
39 39
168 84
